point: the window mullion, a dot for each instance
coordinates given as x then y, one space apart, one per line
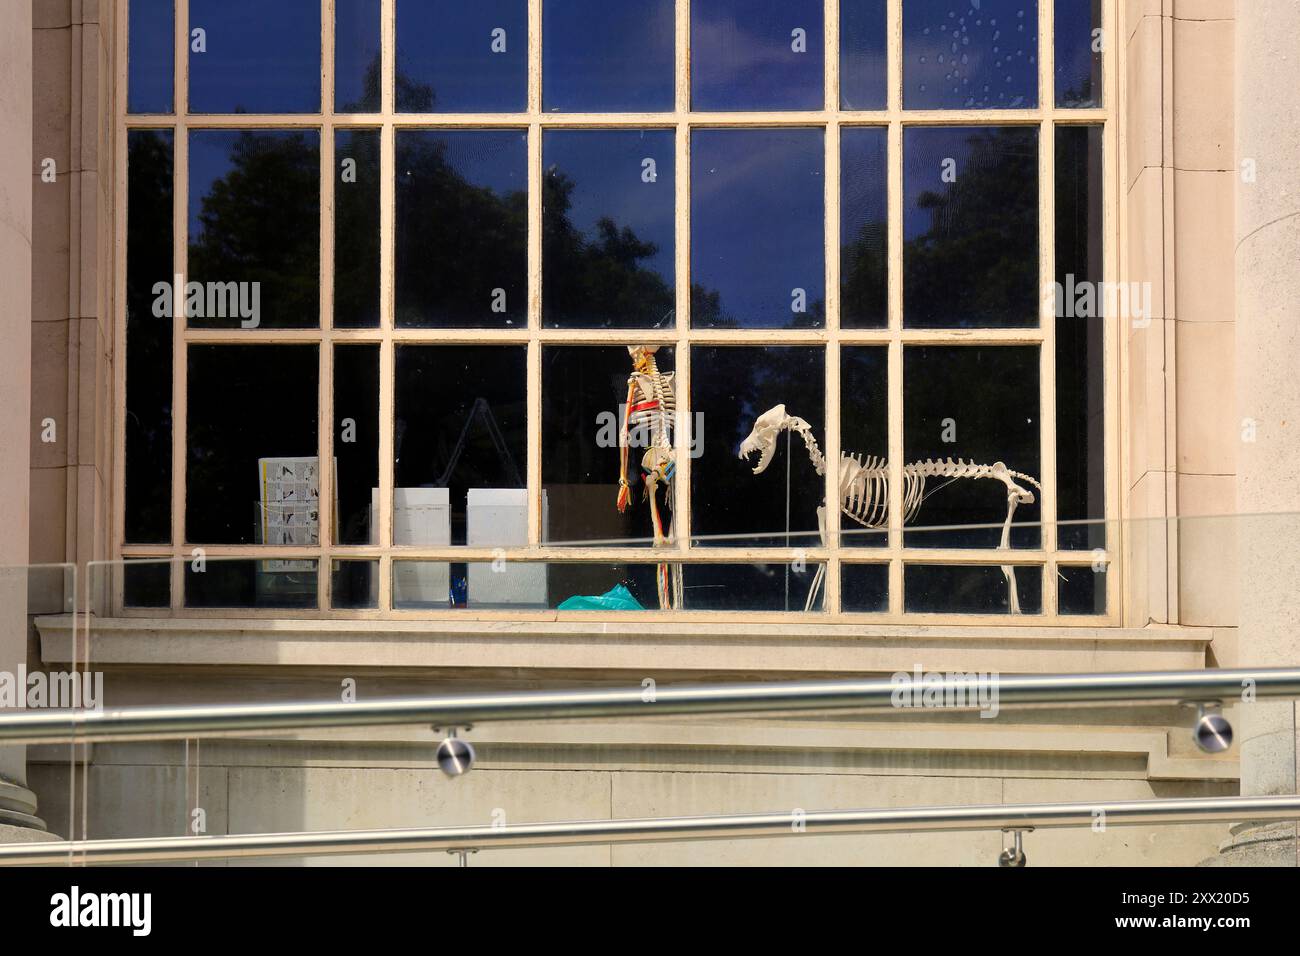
831 361
1047 310
895 360
683 435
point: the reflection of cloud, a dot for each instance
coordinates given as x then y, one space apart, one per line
742 50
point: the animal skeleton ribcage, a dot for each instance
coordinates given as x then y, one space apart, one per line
864 485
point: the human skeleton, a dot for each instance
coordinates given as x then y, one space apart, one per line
863 485
649 412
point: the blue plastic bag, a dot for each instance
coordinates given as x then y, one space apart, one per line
617 598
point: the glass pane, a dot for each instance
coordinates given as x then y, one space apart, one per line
864 587
970 227
607 229
862 54
750 587
356 442
147 583
864 436
977 404
864 244
425 585
254 216
1080 340
757 54
600 588
1081 590
460 445
462 57
151 56
1079 47
757 252
243 583
601 57
354 584
584 397
356 56
148 492
970 54
250 56
730 388
960 589
356 229
462 227
251 473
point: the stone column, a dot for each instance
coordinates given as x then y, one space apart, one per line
1267 264
17 803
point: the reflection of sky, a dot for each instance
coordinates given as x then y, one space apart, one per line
448 46
602 56
862 54
152 50
756 220
356 45
966 54
492 158
863 187
211 158
1075 61
605 166
261 57
741 56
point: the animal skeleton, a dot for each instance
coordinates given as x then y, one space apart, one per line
863 485
650 410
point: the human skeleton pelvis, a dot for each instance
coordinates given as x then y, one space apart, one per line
862 485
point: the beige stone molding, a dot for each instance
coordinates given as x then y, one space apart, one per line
610 648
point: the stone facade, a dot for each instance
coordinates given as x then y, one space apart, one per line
1199 95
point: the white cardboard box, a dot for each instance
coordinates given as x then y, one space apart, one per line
498 518
421 516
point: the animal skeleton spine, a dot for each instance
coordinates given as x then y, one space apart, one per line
863 485
649 412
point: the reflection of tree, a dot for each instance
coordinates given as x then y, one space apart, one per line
708 311
864 282
260 222
597 280
412 97
977 264
356 233
456 241
149 339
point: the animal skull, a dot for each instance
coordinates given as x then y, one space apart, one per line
763 437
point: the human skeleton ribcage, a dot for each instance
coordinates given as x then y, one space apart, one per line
651 413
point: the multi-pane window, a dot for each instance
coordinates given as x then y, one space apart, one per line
405 281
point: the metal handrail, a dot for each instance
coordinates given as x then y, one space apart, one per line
661 830
958 693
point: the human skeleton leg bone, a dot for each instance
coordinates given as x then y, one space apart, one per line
863 486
